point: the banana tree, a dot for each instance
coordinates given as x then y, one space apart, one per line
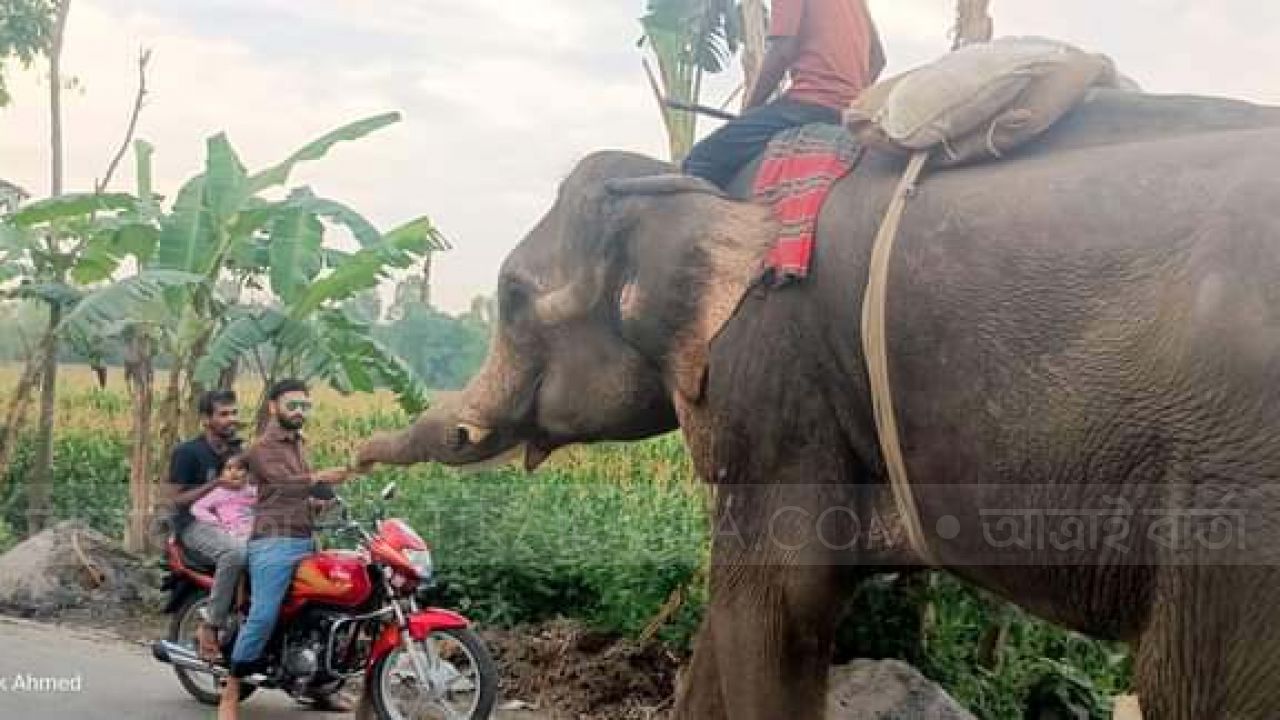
218 224
315 331
688 38
220 237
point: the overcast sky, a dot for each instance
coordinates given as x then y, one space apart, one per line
500 97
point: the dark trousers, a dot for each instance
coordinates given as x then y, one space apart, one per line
721 155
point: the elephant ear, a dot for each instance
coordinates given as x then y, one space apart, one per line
694 253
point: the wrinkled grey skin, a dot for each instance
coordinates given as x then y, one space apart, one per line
1093 322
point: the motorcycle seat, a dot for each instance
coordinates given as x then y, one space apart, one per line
196 562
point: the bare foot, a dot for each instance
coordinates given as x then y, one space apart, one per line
229 707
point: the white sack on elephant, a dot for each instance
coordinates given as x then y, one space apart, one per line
979 102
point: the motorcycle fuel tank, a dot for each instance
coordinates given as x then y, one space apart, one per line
332 577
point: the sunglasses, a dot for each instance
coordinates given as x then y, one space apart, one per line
298 406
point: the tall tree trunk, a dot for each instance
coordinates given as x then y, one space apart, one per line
141 373
55 97
170 417
16 414
755 33
40 486
227 378
262 414
189 416
39 489
973 23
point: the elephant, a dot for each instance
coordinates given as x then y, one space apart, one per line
1086 331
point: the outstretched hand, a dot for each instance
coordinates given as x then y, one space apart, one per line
332 476
361 462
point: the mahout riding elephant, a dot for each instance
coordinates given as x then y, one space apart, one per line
1084 353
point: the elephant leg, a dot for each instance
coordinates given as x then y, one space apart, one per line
775 643
1211 650
764 650
698 693
1170 661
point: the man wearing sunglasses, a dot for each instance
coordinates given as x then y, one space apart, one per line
281 535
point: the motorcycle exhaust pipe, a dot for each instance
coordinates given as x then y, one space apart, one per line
184 657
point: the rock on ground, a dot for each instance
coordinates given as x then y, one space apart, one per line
888 690
73 568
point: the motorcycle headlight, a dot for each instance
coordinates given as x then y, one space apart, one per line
421 562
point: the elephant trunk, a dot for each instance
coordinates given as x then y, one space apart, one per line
471 427
424 441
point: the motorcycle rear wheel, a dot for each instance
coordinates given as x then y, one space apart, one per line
204 687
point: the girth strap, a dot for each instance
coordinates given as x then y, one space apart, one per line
875 348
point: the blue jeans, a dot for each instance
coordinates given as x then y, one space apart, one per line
724 153
272 562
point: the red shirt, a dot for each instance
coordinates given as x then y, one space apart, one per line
834 64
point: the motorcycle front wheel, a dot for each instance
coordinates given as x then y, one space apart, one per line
465 679
182 630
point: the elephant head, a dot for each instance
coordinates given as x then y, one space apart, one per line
605 311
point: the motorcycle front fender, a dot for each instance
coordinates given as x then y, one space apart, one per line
421 624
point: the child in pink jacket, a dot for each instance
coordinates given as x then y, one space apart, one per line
229 510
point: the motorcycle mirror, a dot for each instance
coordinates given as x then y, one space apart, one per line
389 491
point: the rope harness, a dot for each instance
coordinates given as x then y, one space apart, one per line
875 348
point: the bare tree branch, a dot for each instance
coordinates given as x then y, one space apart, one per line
144 57
658 95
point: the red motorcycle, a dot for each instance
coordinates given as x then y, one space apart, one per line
348 612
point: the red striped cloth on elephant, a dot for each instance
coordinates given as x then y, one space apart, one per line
799 167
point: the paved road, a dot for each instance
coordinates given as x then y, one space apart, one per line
115 679
106 677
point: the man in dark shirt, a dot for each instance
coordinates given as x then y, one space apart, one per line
832 52
281 535
195 469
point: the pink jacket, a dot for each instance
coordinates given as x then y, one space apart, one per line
230 510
